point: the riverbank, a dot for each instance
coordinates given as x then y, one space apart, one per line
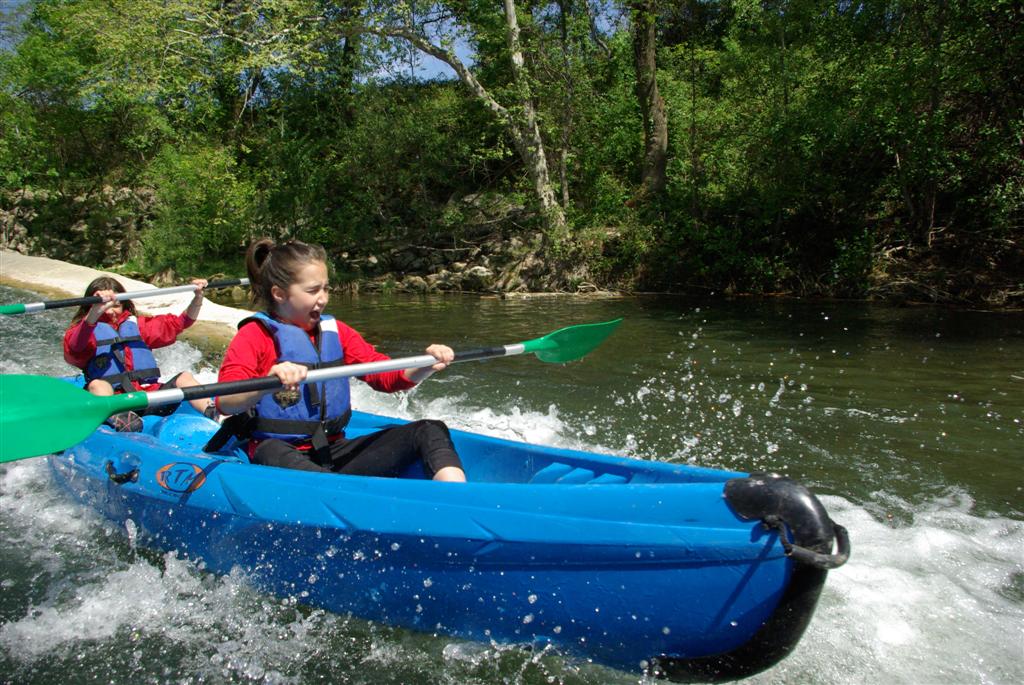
956 268
55 279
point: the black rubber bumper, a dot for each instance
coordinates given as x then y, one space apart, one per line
807 535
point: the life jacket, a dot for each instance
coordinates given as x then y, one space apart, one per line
316 410
110 362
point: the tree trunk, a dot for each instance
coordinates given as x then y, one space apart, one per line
521 122
529 141
567 107
936 38
652 105
695 161
348 68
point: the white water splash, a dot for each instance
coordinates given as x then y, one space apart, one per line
919 603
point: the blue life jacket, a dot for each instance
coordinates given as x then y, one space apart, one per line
110 363
316 410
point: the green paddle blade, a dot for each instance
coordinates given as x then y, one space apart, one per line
12 309
570 343
41 415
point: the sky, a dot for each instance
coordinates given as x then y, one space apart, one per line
8 8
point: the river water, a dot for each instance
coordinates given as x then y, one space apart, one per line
907 422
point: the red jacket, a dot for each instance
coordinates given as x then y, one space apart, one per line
157 331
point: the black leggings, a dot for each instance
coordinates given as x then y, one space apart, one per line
387 452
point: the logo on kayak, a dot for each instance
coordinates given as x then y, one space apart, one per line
180 477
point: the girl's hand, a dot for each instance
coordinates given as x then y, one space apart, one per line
200 284
290 374
443 354
97 311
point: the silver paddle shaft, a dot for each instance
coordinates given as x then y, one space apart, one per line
159 398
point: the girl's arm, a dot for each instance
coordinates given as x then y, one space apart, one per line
197 298
80 339
358 351
79 344
163 329
251 354
444 356
290 375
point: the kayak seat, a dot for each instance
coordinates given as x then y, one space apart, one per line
609 479
566 474
189 431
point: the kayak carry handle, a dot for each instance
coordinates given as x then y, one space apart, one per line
805 529
806 533
809 556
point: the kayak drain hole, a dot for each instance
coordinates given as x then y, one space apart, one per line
121 478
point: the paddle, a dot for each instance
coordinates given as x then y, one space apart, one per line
41 415
32 308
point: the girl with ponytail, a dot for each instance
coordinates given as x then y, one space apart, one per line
302 426
113 345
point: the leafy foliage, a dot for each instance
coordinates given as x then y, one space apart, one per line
202 208
805 137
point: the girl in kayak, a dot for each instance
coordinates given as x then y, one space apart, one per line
302 426
113 345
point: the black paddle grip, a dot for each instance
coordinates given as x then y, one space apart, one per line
70 302
482 353
226 283
92 299
197 392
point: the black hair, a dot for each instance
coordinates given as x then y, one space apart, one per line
102 283
270 264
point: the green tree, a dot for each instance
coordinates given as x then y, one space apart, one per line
202 213
519 111
811 142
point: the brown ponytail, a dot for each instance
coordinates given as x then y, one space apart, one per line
102 283
270 264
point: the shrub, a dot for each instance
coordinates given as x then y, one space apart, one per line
202 212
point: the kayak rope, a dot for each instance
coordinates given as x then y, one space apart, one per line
808 556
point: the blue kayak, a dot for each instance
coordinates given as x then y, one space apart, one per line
676 570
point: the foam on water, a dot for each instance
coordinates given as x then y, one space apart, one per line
510 423
934 591
932 600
